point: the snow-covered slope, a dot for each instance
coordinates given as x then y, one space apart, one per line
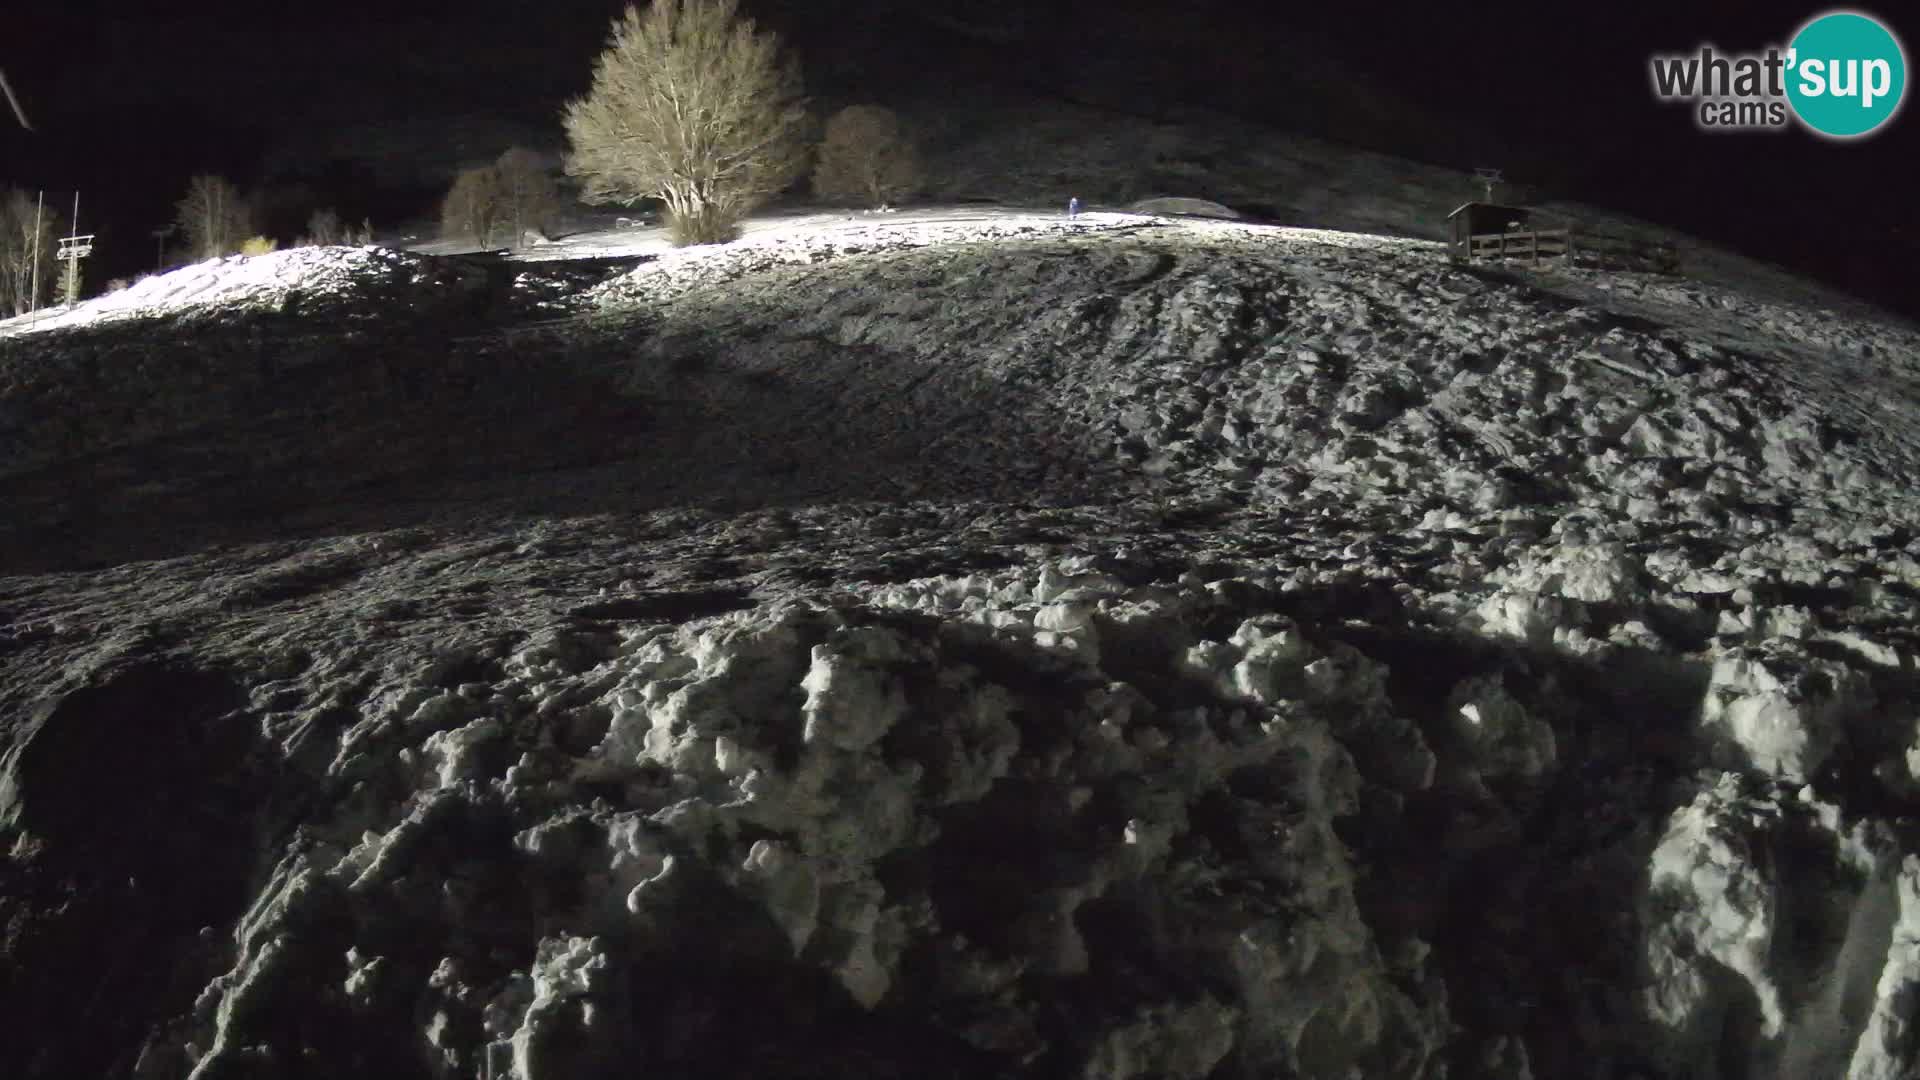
977 644
271 282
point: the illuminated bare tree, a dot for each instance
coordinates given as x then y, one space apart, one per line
472 206
215 218
18 224
691 104
865 157
529 197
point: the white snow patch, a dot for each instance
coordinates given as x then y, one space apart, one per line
237 282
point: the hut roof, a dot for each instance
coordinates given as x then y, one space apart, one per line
1490 206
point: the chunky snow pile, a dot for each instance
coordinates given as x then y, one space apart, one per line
952 827
1120 648
1773 919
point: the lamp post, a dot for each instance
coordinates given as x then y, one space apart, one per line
1488 180
33 290
160 236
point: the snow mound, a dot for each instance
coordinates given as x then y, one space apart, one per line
1174 205
279 281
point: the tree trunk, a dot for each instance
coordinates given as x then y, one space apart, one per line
693 219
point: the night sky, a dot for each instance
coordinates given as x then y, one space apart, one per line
131 98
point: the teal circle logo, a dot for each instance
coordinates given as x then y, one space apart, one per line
1847 74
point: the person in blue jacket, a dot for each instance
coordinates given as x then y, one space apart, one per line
1073 207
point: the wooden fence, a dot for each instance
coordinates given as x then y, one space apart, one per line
1569 247
1532 246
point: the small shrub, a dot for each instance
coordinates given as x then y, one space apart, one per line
259 245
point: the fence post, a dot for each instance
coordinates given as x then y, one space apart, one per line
33 290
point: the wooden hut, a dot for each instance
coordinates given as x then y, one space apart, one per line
1485 230
1491 232
1473 219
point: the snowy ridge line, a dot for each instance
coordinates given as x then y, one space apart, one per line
675 272
309 275
1265 359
